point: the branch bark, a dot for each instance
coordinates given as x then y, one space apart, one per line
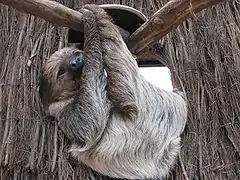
162 22
50 11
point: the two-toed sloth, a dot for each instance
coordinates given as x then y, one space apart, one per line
120 125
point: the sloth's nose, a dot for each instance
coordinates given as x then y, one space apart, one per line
77 63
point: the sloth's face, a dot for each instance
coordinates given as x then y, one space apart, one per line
60 76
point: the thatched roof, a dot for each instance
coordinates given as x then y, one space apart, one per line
203 55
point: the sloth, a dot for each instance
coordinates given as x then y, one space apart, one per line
119 124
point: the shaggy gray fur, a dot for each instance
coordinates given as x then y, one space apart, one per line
121 125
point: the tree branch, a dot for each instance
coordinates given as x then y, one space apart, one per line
50 11
164 20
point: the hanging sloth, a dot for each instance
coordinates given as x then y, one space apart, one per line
119 124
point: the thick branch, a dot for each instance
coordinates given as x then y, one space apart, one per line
51 11
164 20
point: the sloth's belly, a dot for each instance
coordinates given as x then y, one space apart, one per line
132 151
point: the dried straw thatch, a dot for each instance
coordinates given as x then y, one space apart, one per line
203 54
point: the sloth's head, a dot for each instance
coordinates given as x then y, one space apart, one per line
60 76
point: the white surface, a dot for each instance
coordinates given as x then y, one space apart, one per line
160 76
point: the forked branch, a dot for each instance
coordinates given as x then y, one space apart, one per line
162 22
50 11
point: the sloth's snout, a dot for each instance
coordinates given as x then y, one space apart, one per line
77 63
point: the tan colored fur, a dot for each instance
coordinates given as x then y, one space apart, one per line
120 125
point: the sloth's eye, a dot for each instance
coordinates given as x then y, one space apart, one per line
61 71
